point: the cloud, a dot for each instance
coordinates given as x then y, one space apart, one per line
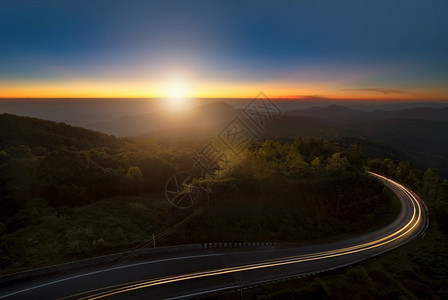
305 97
378 90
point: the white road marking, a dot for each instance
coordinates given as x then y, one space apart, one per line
107 270
203 292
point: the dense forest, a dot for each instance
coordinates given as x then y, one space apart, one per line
69 193
74 166
418 270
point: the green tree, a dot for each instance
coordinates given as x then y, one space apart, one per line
155 171
336 164
431 180
356 153
316 165
132 182
375 165
134 174
295 164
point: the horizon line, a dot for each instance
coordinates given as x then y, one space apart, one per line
278 98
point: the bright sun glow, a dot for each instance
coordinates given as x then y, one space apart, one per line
176 93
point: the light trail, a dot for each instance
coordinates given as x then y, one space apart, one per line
414 221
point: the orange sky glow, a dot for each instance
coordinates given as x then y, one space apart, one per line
115 89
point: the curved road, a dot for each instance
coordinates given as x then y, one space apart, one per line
176 276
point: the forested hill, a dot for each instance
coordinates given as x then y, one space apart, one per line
67 165
16 130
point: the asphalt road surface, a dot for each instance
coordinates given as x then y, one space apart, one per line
189 274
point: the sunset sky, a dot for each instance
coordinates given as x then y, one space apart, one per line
305 49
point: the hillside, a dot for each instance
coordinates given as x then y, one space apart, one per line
15 131
419 133
70 193
423 142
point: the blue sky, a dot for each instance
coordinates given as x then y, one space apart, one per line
286 47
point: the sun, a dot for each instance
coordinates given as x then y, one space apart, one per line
175 94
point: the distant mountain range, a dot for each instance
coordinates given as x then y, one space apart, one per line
346 115
313 121
416 134
420 134
80 112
